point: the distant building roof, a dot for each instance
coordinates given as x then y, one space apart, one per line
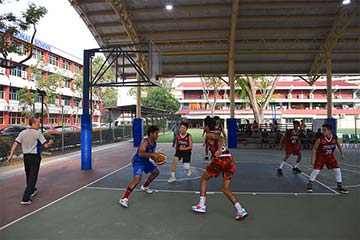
281 84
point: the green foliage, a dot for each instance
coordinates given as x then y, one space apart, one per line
49 84
27 100
13 24
162 99
163 82
109 97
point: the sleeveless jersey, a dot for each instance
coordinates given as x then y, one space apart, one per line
292 136
217 130
149 149
183 141
327 146
224 150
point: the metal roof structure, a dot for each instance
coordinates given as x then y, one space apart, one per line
271 36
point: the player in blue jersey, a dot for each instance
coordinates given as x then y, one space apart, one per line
141 163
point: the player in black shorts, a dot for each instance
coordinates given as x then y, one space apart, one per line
183 151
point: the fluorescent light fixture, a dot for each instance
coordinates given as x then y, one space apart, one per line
345 2
169 7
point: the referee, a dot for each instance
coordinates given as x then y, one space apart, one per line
31 141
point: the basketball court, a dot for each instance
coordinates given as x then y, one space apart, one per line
279 207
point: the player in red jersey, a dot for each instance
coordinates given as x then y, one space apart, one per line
219 128
323 154
292 139
183 151
221 163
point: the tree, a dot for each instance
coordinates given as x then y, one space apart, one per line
211 84
165 83
109 98
160 98
27 100
48 84
258 90
12 25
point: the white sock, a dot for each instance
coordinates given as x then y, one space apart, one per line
296 165
186 166
282 164
202 201
337 174
238 207
313 175
172 174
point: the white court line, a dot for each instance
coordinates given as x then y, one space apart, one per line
349 186
197 192
348 170
322 184
182 179
59 199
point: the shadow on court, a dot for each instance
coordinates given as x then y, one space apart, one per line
278 207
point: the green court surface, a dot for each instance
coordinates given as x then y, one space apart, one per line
279 207
195 133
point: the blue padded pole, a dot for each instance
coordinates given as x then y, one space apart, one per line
86 126
232 132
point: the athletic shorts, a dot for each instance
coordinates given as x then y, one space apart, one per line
224 165
292 149
329 161
146 167
184 155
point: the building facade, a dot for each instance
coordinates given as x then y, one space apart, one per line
292 99
66 108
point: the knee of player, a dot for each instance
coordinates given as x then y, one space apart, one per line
156 172
226 191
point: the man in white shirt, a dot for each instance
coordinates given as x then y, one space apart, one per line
31 141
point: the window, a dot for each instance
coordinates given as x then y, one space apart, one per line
53 119
76 102
20 47
65 100
1 118
54 60
19 71
67 83
77 68
2 92
16 118
38 54
38 99
13 94
66 65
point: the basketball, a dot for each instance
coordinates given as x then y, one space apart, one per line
161 159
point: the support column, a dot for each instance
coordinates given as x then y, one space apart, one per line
231 122
138 123
86 126
330 120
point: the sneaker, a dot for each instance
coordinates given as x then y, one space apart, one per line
188 172
199 209
172 179
309 188
279 172
26 202
342 190
124 202
242 215
206 158
295 169
146 189
34 193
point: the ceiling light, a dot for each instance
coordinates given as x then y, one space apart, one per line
169 7
345 2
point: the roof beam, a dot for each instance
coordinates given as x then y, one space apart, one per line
225 32
217 41
339 27
242 6
231 59
120 9
225 19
